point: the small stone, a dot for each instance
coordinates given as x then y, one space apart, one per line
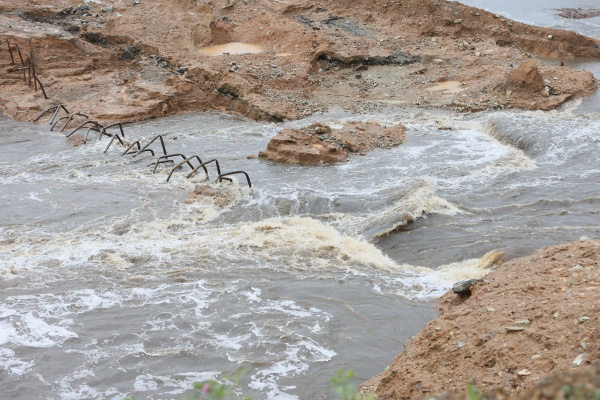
464 287
438 60
580 359
556 315
514 328
490 309
584 345
535 356
523 322
576 268
461 344
550 37
438 328
583 319
524 372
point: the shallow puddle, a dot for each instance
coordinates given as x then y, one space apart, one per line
231 48
447 87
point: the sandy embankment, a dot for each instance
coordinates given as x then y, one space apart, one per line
126 61
532 317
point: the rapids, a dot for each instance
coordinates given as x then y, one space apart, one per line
113 286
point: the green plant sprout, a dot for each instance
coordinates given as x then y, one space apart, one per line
345 389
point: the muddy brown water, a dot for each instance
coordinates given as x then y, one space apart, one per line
112 286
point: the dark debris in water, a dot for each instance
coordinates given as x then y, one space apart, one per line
578 13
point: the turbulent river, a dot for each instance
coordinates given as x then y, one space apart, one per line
113 286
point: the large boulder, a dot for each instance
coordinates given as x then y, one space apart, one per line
292 146
320 144
527 76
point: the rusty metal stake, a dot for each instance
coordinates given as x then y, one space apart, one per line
69 119
95 123
166 158
187 161
22 62
222 176
112 140
54 109
162 143
139 146
205 170
12 58
41 87
32 69
112 126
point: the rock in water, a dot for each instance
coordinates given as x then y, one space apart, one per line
463 288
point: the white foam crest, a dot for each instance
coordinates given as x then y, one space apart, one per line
229 342
429 283
416 204
179 382
25 329
265 380
67 392
11 363
300 239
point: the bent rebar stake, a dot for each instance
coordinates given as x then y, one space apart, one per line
166 158
12 58
95 123
222 176
187 161
112 126
145 148
54 109
69 118
40 83
112 140
22 62
136 143
93 128
203 166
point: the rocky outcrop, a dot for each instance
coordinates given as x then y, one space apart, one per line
320 144
292 146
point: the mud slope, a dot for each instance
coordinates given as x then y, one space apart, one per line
532 317
128 61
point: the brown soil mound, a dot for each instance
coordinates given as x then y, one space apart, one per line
582 384
532 317
136 60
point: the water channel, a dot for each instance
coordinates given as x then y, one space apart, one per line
111 285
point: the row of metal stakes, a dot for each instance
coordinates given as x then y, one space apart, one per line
136 148
26 68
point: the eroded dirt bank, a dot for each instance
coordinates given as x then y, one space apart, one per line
532 317
132 60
